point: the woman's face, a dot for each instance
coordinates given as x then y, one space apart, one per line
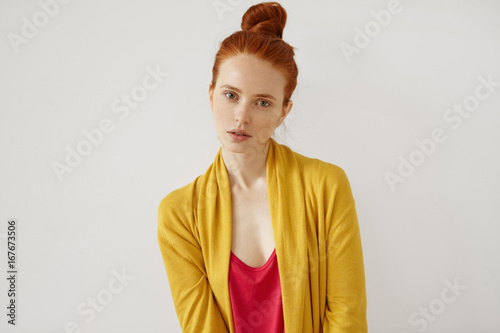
248 96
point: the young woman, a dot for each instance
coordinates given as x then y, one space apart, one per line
266 240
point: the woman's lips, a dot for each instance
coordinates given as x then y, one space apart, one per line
238 131
237 137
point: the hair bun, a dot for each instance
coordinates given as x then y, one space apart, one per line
266 17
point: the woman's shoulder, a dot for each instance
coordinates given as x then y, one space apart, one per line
320 170
178 199
326 181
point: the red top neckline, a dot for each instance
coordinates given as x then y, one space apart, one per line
269 261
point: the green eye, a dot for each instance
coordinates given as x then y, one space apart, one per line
268 104
228 92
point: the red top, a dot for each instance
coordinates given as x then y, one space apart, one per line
255 294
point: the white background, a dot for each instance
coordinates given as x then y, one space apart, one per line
440 224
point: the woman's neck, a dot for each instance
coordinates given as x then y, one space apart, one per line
246 170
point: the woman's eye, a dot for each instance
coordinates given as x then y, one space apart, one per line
231 95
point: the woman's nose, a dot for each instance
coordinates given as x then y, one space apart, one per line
243 113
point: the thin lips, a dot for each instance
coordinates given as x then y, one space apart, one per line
239 131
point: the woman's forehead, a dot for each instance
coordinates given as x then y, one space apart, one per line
251 75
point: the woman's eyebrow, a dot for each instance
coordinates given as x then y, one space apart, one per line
237 90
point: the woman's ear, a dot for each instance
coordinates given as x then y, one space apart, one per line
210 95
285 112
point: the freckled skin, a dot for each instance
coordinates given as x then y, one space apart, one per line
243 110
252 233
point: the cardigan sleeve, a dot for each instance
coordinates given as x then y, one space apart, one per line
195 305
346 292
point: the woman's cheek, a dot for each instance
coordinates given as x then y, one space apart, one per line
223 106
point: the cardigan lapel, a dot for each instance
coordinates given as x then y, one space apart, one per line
286 202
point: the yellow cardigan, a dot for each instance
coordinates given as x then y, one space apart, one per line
316 234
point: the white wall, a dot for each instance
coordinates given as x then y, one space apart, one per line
362 112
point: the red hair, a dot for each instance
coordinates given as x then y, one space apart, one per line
261 35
